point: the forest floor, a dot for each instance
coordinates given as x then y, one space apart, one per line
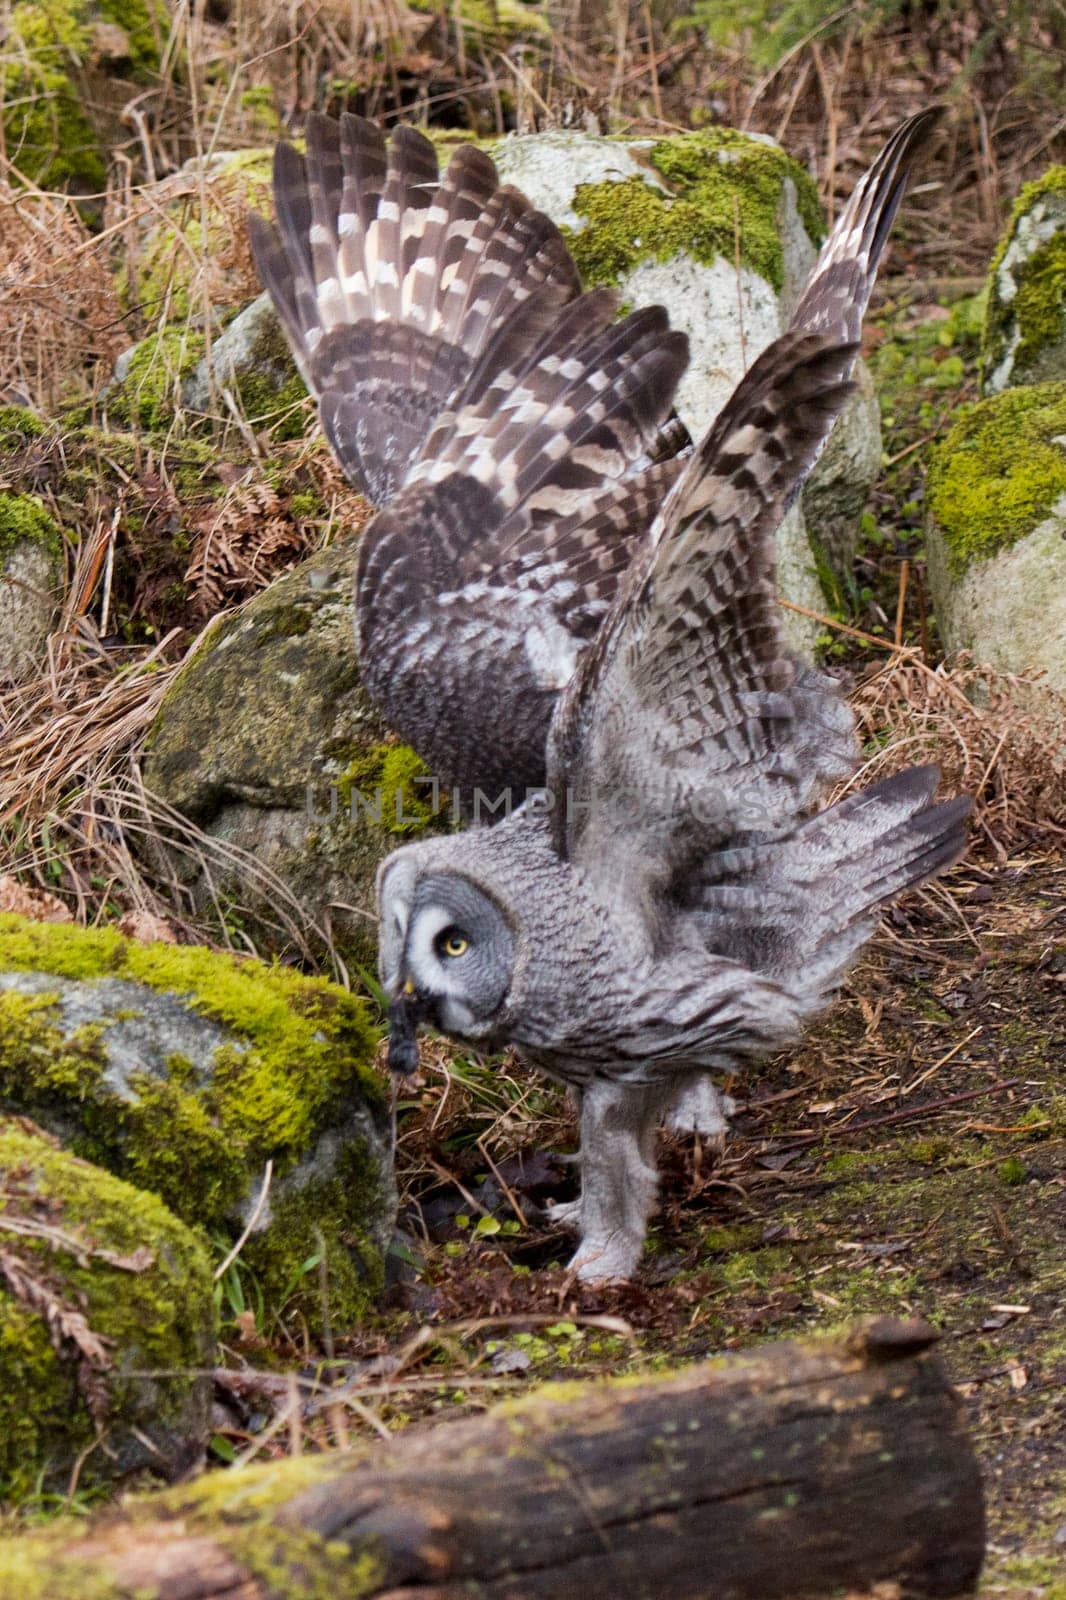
910 1158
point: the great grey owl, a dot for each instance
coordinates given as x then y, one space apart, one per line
561 594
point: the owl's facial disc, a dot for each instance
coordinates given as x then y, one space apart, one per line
451 960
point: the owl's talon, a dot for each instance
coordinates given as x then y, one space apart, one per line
613 1262
564 1214
703 1109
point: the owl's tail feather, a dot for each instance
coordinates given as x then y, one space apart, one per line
799 908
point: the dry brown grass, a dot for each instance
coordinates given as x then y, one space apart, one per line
995 736
60 319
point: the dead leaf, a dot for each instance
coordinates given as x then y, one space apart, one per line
146 928
65 1327
247 1333
27 901
138 1260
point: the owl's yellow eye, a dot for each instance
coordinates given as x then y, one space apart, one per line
453 943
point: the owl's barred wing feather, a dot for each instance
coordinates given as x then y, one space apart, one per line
837 293
689 711
391 282
690 720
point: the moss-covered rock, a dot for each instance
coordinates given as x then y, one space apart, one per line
149 377
251 359
31 551
65 74
106 1325
996 542
721 228
18 426
184 1071
268 741
192 253
1024 338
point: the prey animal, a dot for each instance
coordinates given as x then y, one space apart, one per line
561 593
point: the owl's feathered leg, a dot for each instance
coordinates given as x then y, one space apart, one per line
619 1178
699 1107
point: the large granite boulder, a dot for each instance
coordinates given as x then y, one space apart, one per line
996 536
184 1071
1024 339
107 1323
720 227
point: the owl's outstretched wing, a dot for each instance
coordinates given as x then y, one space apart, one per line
518 438
689 722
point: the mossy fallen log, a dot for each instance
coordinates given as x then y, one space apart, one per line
794 1471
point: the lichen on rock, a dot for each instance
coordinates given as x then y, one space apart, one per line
1024 336
106 1325
184 1071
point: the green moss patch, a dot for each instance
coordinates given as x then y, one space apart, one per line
24 520
18 425
49 127
269 387
486 20
726 193
89 1263
390 784
999 471
150 390
289 1064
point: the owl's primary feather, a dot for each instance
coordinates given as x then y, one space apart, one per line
690 704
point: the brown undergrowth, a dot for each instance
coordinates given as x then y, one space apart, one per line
60 319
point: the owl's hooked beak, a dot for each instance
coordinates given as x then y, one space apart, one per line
405 1013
